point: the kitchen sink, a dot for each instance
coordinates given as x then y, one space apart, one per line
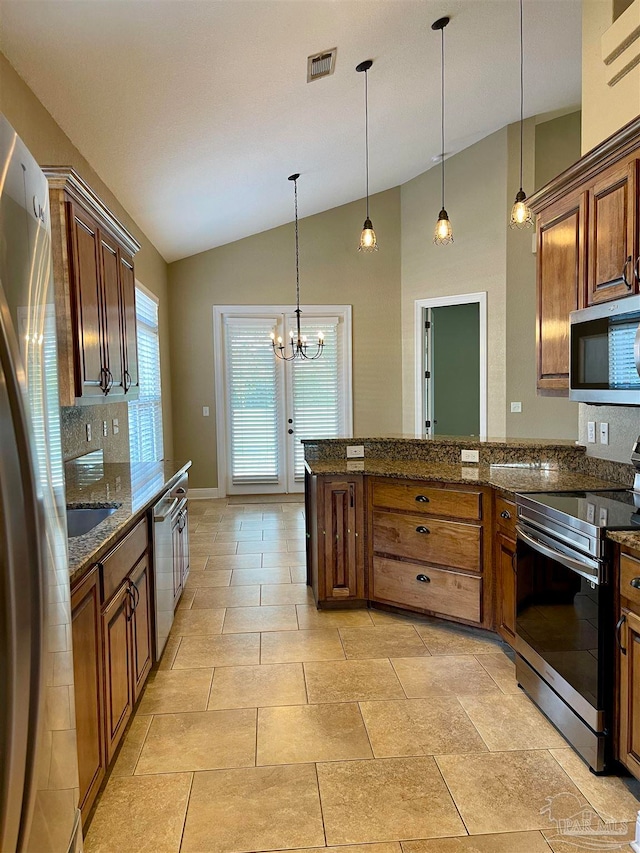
81 520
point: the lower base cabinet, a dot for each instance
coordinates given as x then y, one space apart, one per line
505 570
117 662
628 636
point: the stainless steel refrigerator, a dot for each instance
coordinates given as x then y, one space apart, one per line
38 758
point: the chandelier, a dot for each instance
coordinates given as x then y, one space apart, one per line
298 343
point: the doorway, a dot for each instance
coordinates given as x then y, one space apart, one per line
451 370
266 406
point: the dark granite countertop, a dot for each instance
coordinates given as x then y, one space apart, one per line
132 488
630 538
506 478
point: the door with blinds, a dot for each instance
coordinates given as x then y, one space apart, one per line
266 406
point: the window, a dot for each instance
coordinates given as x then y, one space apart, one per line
145 413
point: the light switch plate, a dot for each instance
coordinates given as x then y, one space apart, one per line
591 432
116 426
516 407
355 451
470 455
88 431
105 428
205 411
604 433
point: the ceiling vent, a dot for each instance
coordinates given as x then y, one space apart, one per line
321 64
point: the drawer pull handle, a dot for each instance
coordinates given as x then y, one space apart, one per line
619 625
422 529
505 514
635 583
422 499
423 579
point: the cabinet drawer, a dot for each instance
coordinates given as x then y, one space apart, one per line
119 562
629 569
506 515
416 497
447 543
447 593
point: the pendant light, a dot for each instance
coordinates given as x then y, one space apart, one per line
521 215
443 233
368 240
297 341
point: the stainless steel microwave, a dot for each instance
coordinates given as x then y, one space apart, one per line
605 353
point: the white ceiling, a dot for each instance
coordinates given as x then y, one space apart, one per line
194 112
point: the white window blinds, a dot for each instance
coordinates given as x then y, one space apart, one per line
145 413
253 396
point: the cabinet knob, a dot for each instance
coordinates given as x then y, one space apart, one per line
635 583
423 579
505 514
422 499
421 529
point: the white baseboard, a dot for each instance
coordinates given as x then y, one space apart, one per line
202 494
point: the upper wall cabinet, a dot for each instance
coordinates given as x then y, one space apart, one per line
95 294
588 245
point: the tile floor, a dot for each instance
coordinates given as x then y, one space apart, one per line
272 726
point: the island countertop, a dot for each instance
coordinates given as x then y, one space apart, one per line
130 487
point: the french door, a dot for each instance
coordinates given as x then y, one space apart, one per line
266 406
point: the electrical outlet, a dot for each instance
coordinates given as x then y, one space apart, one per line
604 433
355 451
205 411
516 407
105 428
591 432
469 455
88 430
116 426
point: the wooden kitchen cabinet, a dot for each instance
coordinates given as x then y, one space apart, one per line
141 650
94 283
118 666
88 687
628 635
504 563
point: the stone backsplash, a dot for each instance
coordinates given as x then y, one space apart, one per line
73 421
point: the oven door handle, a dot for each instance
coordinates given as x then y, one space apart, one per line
163 515
569 562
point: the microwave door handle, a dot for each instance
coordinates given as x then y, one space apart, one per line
567 561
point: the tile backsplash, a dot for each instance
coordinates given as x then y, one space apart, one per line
73 425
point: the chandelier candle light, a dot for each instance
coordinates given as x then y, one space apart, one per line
521 215
443 233
368 240
297 341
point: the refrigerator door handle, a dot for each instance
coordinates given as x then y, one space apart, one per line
21 593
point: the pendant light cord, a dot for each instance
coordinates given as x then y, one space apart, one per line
442 110
366 131
521 90
295 201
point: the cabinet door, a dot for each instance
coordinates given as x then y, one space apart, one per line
506 586
612 234
343 539
629 732
130 340
185 545
176 536
560 288
140 626
86 301
117 666
89 699
110 267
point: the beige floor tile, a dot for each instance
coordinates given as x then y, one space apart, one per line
351 681
215 549
260 808
609 795
305 733
385 800
197 562
386 617
209 578
257 686
275 618
384 641
309 617
502 670
233 561
244 577
506 842
389 847
298 574
286 593
220 650
510 791
291 646
443 639
189 623
261 547
170 651
454 675
209 740
284 558
227 596
140 815
248 535
186 599
420 727
176 691
132 746
511 721
597 837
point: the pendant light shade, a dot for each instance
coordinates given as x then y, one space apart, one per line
521 215
368 240
298 343
443 233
